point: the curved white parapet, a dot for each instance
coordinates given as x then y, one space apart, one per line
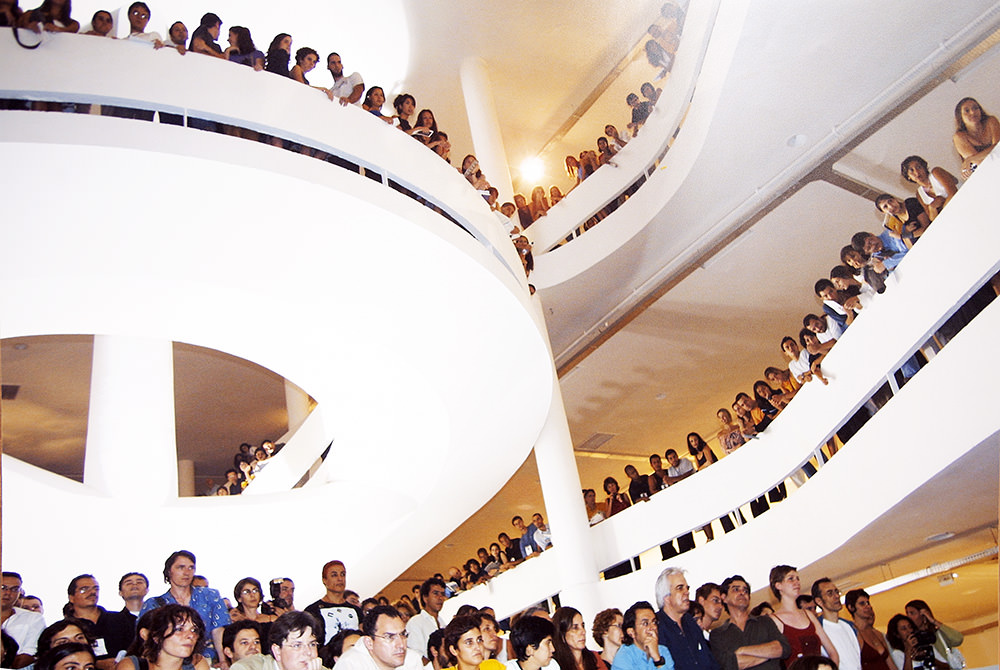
646 151
411 335
958 253
135 76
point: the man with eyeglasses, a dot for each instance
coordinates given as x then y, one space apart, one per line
420 627
22 625
293 646
112 631
384 645
745 641
826 594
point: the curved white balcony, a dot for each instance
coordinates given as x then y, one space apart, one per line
413 335
925 428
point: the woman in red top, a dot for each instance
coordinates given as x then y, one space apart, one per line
804 633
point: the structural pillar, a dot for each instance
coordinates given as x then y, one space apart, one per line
561 489
131 440
485 126
185 478
297 404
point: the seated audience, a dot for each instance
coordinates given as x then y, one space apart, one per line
52 16
248 595
278 56
174 636
976 134
531 639
607 633
242 50
240 640
570 641
463 641
904 220
338 645
935 187
71 656
641 649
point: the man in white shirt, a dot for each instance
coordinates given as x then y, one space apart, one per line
843 635
22 625
420 627
384 645
293 646
543 534
348 90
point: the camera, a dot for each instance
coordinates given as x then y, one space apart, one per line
923 655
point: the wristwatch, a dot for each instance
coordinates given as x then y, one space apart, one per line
660 662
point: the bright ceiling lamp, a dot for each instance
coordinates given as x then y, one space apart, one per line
532 170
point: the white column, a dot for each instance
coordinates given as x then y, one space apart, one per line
297 404
131 442
485 126
561 489
185 478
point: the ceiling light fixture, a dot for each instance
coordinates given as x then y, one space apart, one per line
940 537
532 169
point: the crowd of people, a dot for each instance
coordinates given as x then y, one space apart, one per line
247 462
853 285
192 627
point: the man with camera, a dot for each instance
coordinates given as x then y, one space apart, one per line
282 590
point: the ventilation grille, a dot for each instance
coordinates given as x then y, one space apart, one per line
9 391
595 441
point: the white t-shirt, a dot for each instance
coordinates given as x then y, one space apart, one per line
845 640
345 87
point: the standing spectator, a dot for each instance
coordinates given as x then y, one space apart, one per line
528 545
177 37
976 134
745 640
843 635
420 627
112 632
905 220
543 535
804 633
347 90
874 646
709 596
178 572
101 24
617 141
305 60
242 50
138 19
616 501
404 104
53 16
639 488
935 187
333 612
945 637
640 112
595 515
204 39
677 628
279 53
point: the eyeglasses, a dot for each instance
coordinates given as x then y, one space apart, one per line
6 587
299 646
392 637
88 589
247 592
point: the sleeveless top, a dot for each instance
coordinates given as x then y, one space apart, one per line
871 659
803 641
702 458
142 664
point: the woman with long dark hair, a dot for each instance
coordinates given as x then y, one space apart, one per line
279 54
174 635
242 49
570 641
